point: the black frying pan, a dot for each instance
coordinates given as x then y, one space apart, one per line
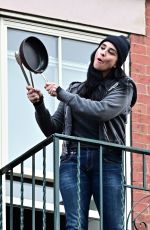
33 54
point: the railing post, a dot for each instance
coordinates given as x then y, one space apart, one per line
56 184
101 185
78 187
33 192
22 198
1 204
44 188
11 200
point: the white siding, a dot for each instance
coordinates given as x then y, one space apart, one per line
121 15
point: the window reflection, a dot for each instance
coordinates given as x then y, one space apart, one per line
23 130
75 60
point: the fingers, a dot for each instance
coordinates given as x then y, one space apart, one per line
34 95
51 88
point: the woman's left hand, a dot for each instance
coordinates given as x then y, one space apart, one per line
51 88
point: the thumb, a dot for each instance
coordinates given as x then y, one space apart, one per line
29 87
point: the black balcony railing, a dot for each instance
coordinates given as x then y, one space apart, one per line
133 217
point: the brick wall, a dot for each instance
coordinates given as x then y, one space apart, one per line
140 71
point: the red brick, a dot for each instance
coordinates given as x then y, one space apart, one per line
140 145
139 58
147 21
149 185
148 50
148 147
147 4
148 110
149 129
140 108
139 207
142 138
138 195
148 71
137 157
141 225
139 39
138 162
148 31
144 99
148 158
140 128
139 78
137 166
138 68
147 41
147 13
148 89
137 177
144 218
147 179
141 88
142 118
138 172
139 49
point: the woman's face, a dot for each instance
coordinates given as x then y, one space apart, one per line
105 58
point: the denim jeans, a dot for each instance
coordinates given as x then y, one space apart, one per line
113 198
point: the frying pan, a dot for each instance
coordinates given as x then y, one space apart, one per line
33 54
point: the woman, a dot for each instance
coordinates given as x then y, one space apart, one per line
104 99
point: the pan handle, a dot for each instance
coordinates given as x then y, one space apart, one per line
31 79
21 66
44 77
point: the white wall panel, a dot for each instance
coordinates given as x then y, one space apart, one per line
122 15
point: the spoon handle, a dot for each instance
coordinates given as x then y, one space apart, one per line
21 66
44 77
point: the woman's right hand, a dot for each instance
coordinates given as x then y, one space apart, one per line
34 95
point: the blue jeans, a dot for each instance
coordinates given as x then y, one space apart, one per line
113 195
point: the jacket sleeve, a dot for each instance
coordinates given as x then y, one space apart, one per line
47 123
117 101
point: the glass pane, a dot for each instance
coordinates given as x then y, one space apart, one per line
75 60
23 130
28 191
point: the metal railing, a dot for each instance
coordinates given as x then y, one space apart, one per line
8 172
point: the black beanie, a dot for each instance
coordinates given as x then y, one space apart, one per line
122 45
